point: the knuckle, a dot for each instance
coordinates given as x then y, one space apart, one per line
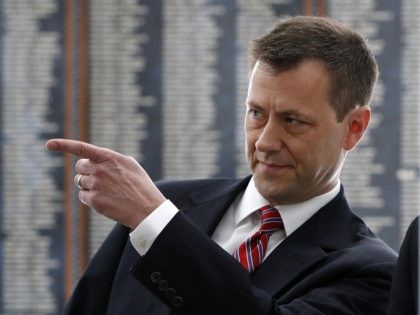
94 199
99 171
132 158
79 165
95 183
131 163
80 149
111 160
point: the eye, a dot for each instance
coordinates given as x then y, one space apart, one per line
293 121
254 113
296 126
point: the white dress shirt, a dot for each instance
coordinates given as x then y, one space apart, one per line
239 222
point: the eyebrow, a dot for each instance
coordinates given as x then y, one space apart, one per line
253 104
294 112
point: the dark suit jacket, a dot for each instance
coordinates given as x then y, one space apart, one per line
332 264
404 292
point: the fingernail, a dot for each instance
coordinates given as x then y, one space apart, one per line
51 145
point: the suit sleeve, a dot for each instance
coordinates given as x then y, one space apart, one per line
191 274
94 288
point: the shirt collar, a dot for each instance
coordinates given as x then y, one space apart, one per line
293 215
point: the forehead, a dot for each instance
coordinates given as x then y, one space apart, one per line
305 86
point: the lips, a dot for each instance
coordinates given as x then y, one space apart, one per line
271 162
272 165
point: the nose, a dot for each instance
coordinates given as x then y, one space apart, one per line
270 139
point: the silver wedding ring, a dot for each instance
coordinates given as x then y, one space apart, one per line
77 180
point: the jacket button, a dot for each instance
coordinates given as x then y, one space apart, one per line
155 277
163 285
177 301
170 293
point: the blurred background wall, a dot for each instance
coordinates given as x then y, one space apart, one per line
165 81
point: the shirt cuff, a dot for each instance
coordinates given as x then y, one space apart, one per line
143 236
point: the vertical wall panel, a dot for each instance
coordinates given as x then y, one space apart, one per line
31 106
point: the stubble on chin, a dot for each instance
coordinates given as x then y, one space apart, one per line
268 189
273 189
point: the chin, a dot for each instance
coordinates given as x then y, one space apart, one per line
270 190
275 190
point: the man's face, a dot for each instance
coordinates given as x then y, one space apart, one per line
294 142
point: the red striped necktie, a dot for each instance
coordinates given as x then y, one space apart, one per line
252 251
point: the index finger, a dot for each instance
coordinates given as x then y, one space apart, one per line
78 148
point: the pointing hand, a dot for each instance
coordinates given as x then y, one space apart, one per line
115 185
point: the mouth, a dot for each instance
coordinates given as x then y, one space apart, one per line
273 166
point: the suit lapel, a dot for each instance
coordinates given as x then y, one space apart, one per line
284 265
210 204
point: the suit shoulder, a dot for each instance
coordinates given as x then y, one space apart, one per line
193 184
175 189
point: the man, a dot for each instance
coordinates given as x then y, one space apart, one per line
404 297
198 247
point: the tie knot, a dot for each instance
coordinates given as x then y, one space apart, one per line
271 220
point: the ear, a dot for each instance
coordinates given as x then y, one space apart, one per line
357 122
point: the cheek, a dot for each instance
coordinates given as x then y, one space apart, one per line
305 153
320 155
249 148
251 138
